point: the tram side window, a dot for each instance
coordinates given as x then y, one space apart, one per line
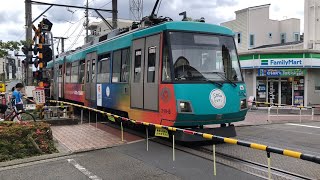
81 74
166 72
60 74
116 66
93 70
68 72
125 65
75 72
151 64
137 65
103 69
88 71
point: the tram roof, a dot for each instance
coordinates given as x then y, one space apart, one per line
125 40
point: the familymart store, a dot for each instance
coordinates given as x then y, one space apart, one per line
289 77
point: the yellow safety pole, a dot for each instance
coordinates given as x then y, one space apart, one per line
147 132
121 132
269 165
173 153
214 160
96 120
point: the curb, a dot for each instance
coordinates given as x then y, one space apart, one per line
33 159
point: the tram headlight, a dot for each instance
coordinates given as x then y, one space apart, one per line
243 104
185 107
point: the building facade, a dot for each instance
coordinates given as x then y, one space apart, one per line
277 66
282 76
254 28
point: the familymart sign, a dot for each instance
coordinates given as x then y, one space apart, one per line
281 62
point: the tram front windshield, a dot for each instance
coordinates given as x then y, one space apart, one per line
204 57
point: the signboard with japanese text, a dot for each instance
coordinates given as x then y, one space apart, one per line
39 96
281 72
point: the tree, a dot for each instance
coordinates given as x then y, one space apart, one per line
5 47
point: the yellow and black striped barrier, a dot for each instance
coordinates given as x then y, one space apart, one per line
268 149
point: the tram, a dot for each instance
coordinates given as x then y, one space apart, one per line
175 73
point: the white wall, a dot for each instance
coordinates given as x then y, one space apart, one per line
290 27
312 24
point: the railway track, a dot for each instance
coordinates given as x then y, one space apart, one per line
251 167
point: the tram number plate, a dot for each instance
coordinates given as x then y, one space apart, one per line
162 132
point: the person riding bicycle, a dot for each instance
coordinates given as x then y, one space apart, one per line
17 97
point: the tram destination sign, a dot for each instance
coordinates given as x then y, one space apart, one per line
281 72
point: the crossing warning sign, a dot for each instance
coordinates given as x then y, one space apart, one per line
162 132
38 96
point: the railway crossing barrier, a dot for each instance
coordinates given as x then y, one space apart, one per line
268 149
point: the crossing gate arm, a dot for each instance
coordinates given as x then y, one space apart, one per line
270 149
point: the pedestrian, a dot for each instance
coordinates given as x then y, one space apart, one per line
17 97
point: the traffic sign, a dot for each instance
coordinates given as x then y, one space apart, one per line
39 96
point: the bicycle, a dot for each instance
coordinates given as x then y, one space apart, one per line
18 115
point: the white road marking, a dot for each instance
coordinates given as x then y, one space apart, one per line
302 125
82 169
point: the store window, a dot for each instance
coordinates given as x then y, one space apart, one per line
298 90
251 40
283 38
261 89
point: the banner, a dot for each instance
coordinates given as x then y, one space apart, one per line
281 72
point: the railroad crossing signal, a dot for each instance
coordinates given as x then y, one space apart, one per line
41 49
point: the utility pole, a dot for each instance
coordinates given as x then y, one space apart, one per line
87 22
115 14
28 14
62 42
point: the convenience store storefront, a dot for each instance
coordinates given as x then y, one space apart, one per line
281 77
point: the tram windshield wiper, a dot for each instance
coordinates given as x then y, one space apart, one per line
223 76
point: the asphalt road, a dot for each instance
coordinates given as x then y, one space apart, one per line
130 161
302 137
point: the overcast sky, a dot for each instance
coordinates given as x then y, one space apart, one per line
69 22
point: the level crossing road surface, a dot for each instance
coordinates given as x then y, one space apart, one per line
130 161
303 137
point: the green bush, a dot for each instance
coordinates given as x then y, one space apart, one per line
25 139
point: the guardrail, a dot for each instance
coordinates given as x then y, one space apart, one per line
268 149
300 108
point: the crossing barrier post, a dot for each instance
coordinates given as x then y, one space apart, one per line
89 117
214 160
312 113
121 132
269 166
147 132
277 111
96 120
173 153
300 115
81 116
269 109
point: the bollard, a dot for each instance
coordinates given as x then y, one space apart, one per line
300 115
214 160
121 132
277 111
89 117
173 153
147 132
269 108
269 166
96 120
312 113
81 116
